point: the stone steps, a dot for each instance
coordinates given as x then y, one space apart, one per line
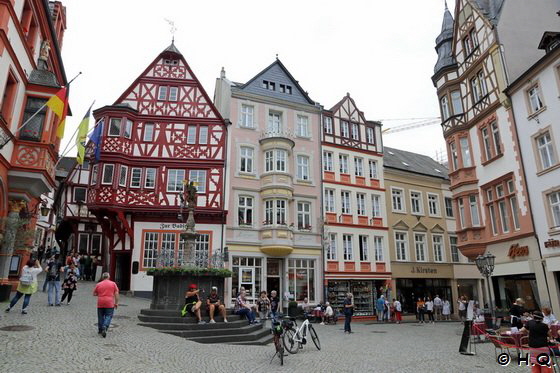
175 313
193 325
235 331
192 333
246 335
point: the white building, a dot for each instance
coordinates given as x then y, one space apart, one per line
534 99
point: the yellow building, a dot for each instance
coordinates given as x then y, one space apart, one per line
425 261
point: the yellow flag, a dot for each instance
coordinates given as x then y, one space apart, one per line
83 130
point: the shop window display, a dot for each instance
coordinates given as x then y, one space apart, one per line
363 292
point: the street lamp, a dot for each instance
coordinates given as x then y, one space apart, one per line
485 264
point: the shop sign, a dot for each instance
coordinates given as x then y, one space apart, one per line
172 226
516 250
423 270
552 243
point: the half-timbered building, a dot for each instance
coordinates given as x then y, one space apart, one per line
480 50
77 229
31 71
274 185
162 131
355 218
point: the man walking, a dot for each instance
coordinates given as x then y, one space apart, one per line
348 312
107 293
438 306
53 280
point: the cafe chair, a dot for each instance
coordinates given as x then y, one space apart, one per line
497 341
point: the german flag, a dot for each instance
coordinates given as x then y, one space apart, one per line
59 105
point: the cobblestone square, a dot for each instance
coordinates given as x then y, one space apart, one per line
65 339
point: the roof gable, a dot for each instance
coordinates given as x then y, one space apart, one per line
278 79
346 108
170 69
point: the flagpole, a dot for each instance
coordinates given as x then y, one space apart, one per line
35 113
71 138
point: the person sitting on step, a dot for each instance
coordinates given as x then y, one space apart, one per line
244 308
193 303
213 303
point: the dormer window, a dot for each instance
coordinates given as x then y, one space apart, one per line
271 86
285 89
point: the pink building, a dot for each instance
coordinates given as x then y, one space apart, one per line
274 225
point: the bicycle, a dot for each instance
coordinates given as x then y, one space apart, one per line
295 339
277 330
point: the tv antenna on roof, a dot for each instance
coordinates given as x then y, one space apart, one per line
172 28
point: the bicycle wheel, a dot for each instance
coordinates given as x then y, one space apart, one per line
314 337
289 341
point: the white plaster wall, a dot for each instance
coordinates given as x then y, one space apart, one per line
527 127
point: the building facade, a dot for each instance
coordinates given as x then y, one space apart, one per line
534 103
77 229
355 220
478 54
425 260
160 133
31 71
274 183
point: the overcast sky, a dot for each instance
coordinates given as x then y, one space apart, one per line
382 52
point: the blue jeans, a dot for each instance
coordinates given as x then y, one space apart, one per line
347 321
104 317
54 286
16 297
247 313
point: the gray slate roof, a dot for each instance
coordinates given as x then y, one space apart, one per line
491 9
444 43
413 162
65 166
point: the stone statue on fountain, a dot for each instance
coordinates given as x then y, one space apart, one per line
188 199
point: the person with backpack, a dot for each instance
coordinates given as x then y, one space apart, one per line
27 285
54 268
69 284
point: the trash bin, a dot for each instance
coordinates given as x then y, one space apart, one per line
292 309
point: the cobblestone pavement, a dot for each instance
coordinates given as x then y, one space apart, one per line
65 339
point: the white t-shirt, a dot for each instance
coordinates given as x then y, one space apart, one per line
397 306
329 311
462 306
437 302
429 305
